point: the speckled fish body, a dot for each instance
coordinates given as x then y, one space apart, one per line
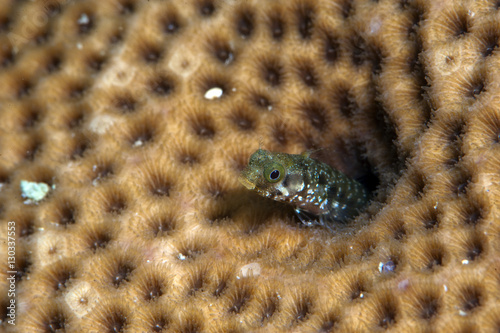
311 186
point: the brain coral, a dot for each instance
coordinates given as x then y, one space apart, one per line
139 116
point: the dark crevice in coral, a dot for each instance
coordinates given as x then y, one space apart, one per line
239 300
122 273
269 307
115 203
66 213
203 126
429 307
96 62
316 114
436 256
460 24
171 23
162 85
302 309
99 239
490 43
475 248
277 26
308 76
272 71
23 266
399 232
417 15
61 278
388 315
472 298
54 322
126 103
223 52
159 323
331 48
206 7
347 9
114 320
126 7
305 17
76 119
245 23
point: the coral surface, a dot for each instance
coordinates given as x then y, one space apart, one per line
136 118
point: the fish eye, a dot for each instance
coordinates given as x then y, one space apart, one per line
274 173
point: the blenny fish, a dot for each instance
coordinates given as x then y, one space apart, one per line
312 187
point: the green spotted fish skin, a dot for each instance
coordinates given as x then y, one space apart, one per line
312 187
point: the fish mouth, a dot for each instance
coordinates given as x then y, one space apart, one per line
246 182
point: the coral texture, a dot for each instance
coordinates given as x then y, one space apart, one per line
139 116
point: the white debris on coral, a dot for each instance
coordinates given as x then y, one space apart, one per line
213 93
252 269
33 191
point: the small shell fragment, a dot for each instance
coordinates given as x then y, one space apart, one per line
213 93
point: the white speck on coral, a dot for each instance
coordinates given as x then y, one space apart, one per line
79 46
213 93
181 256
465 262
403 285
83 19
462 313
252 269
375 25
445 288
101 123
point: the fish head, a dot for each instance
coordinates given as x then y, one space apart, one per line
265 172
